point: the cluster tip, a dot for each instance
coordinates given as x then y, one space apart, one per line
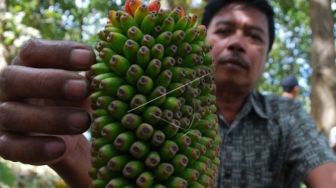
132 5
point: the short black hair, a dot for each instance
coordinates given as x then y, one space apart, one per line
288 83
262 5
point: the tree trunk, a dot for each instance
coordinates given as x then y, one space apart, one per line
323 94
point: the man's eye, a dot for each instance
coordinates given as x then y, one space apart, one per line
256 37
222 31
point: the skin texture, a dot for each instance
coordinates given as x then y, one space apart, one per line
43 101
42 108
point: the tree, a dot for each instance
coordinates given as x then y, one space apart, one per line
323 98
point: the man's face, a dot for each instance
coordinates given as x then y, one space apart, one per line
240 38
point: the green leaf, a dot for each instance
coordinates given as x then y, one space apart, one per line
6 175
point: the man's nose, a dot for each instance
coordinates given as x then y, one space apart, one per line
236 44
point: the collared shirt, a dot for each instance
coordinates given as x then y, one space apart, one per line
271 142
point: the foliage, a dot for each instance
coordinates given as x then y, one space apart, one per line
51 19
6 175
290 54
16 175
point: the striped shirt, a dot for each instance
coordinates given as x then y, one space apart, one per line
271 143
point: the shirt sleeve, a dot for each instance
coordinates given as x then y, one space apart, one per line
306 147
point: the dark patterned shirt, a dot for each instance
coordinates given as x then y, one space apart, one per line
271 142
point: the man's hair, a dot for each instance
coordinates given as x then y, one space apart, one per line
288 83
261 5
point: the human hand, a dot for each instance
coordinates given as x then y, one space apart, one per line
44 108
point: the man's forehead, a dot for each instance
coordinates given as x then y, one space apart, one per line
237 13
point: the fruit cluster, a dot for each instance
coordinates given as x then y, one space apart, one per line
155 122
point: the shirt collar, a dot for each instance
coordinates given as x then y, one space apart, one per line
259 105
255 102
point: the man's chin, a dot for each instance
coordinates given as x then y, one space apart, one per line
227 81
233 85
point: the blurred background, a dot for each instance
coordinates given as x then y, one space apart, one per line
304 47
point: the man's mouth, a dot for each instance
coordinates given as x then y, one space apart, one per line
234 61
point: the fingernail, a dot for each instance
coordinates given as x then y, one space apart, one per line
81 58
53 150
79 122
75 89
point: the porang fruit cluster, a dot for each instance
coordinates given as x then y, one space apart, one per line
155 122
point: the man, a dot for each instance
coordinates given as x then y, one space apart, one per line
260 134
264 138
290 87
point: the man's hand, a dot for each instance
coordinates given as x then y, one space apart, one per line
44 109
